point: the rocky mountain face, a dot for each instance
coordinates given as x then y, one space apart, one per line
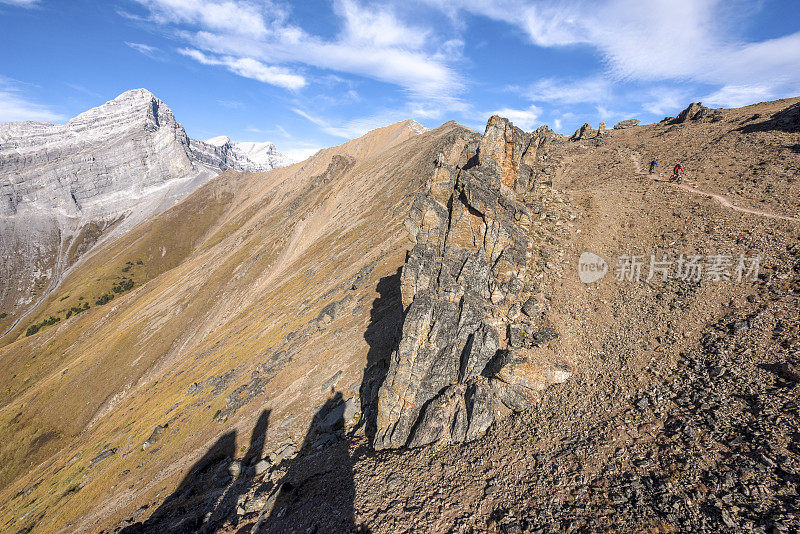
249 156
468 347
65 186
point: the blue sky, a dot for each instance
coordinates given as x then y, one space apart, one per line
311 74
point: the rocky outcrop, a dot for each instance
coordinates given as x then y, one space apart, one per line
695 112
584 132
458 365
627 123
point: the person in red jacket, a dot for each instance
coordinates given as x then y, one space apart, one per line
676 172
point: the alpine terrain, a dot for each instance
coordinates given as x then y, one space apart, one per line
414 331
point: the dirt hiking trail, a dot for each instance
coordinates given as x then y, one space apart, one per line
722 199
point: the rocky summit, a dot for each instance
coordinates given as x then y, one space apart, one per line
414 331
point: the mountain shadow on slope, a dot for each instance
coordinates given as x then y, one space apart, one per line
785 120
209 493
318 491
382 335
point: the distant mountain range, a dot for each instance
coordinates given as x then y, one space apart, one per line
254 157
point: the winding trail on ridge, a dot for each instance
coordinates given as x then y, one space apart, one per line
722 199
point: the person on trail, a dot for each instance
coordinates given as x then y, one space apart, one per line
677 171
653 164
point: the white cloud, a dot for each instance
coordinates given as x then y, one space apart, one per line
82 89
250 68
665 100
15 107
773 61
594 90
147 50
346 130
638 39
378 27
300 153
732 96
350 129
230 16
605 113
655 40
20 3
373 42
232 104
451 50
527 119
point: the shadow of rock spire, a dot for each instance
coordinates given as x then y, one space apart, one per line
208 494
317 492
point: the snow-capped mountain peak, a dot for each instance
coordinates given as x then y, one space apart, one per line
262 156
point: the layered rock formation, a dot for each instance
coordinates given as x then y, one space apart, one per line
64 186
467 353
104 160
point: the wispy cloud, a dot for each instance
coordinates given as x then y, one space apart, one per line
663 100
593 90
147 50
250 68
20 3
232 104
82 89
300 153
350 129
252 40
739 95
14 106
228 16
638 40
